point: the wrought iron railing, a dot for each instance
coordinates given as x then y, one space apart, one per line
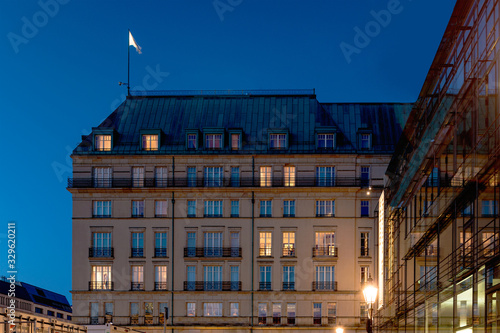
288 251
265 252
101 252
210 252
101 285
322 285
300 181
160 286
288 286
212 285
137 252
264 285
137 286
325 251
160 252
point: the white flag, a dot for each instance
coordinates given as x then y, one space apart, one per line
131 42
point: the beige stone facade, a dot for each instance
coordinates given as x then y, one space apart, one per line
262 265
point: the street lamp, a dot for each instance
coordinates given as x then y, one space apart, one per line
339 329
370 294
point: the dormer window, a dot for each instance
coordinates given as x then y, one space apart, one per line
192 139
150 142
102 142
278 139
213 141
235 141
366 140
326 140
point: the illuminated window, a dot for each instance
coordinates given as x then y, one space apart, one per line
362 312
317 313
234 309
265 176
332 313
150 142
213 208
364 271
265 243
326 140
137 208
137 278
277 141
102 142
289 244
235 143
266 208
191 309
325 208
276 313
102 209
101 278
324 244
213 141
290 313
365 244
289 172
212 309
161 208
161 277
289 208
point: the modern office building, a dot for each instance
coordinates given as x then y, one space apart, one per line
234 210
440 248
34 309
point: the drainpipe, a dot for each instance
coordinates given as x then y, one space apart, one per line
173 274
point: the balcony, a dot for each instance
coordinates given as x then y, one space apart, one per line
321 285
212 252
160 286
137 286
288 251
288 286
160 252
101 285
276 181
325 251
137 252
101 252
265 252
264 285
212 285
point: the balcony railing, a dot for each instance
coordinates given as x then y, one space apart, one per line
288 285
264 285
137 286
265 252
276 181
288 251
160 252
212 285
325 251
211 252
101 285
160 286
101 252
137 252
329 285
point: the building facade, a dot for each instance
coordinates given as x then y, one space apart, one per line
248 210
440 247
34 309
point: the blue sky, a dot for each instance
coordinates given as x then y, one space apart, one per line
62 60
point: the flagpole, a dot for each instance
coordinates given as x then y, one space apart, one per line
128 65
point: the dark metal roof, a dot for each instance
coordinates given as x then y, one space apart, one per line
37 295
256 115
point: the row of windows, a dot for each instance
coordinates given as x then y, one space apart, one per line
216 309
213 242
214 208
215 141
52 313
214 176
324 277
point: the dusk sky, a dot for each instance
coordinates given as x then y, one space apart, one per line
62 61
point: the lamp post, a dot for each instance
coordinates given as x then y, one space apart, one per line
370 294
339 329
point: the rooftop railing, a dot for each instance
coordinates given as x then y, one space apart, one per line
224 92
